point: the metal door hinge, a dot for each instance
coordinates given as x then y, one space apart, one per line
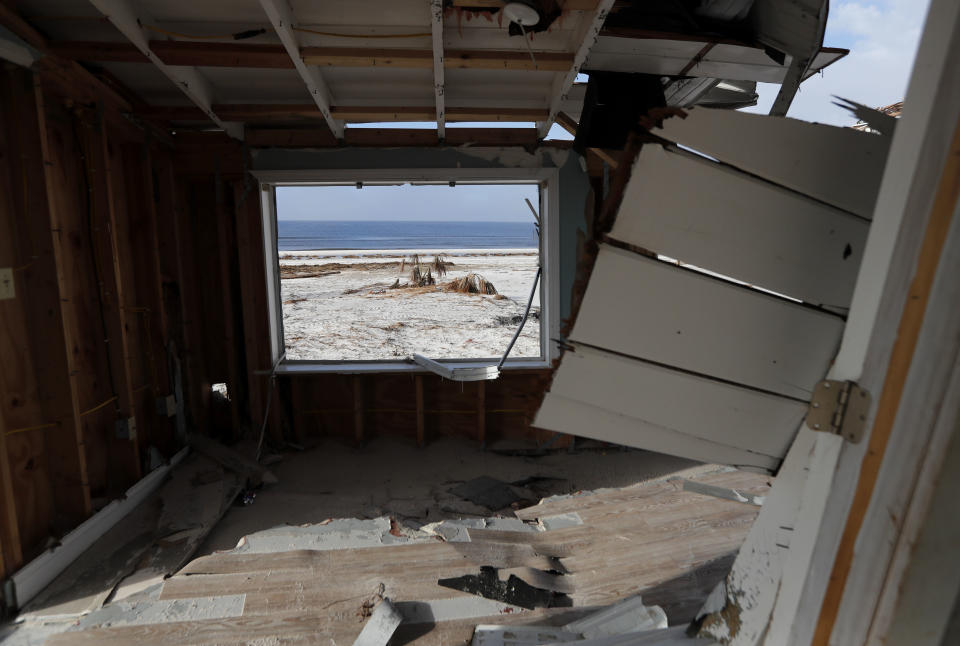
839 407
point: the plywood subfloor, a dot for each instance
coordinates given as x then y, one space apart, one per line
655 539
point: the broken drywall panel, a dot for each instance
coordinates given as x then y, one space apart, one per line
796 245
458 608
561 521
721 492
693 322
36 575
156 611
848 178
335 534
493 635
627 616
380 626
675 636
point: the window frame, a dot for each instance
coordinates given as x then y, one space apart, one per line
548 180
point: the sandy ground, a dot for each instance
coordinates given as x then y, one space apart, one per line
342 308
391 476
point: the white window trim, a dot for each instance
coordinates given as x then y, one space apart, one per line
548 178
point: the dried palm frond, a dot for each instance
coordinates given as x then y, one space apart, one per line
471 284
440 266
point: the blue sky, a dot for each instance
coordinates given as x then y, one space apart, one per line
882 37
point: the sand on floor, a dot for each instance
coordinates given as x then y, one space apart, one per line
339 305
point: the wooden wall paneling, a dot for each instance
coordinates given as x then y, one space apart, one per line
704 408
254 307
451 408
684 319
849 178
359 432
481 405
120 297
11 554
148 307
577 418
25 483
421 428
189 333
715 217
391 406
232 333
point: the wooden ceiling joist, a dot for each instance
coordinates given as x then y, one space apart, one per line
390 137
281 17
436 28
123 16
567 5
562 85
202 54
356 114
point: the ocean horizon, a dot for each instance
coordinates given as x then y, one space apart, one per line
304 235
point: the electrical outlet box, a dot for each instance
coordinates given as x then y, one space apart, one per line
7 289
126 429
167 406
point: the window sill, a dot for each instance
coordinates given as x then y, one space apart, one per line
292 368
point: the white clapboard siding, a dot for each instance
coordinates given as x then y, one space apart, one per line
693 405
715 217
658 312
840 166
570 416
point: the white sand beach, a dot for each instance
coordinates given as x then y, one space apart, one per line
340 305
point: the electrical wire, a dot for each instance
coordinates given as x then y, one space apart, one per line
32 428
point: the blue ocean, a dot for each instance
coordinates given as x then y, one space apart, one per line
295 235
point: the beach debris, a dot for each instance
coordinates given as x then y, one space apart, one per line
471 284
440 266
420 277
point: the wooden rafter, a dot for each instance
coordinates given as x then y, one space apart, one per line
562 85
281 17
568 5
356 114
123 16
436 27
256 56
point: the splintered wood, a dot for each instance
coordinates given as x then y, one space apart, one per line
660 539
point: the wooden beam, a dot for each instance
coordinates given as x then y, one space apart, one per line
358 434
482 414
436 26
11 553
356 114
180 52
392 137
562 85
566 5
421 430
567 123
13 21
124 17
282 19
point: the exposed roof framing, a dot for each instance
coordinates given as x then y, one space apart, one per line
436 27
563 84
570 5
188 79
181 52
298 112
281 17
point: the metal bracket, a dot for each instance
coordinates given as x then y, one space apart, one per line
839 407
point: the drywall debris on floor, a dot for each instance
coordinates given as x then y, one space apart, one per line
234 460
381 625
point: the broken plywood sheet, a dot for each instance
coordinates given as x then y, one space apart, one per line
720 219
789 152
660 313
